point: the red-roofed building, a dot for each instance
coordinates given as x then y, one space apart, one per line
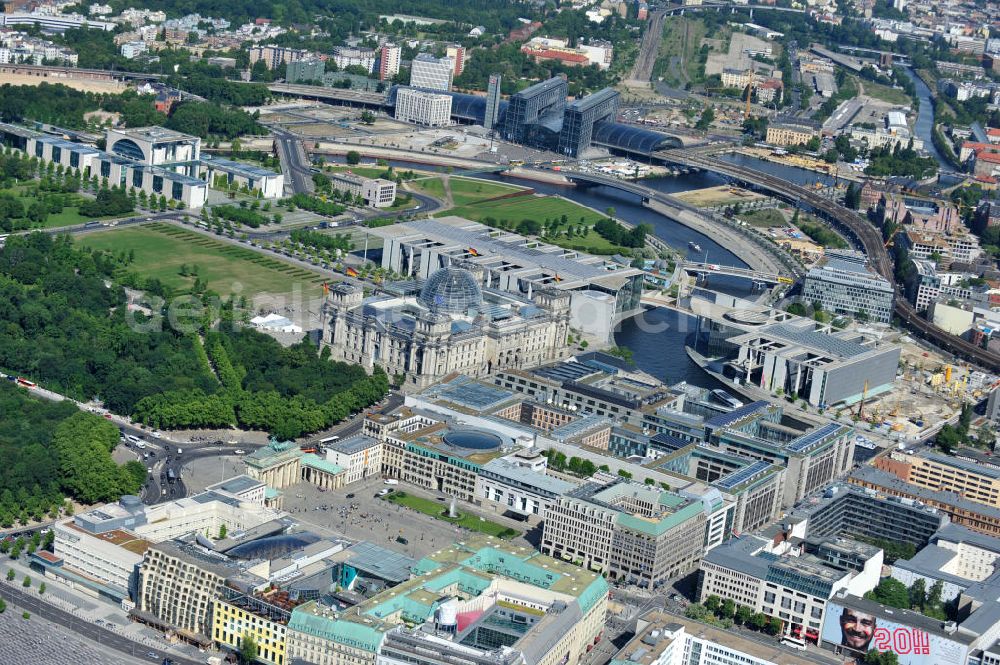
571 58
984 158
993 134
769 91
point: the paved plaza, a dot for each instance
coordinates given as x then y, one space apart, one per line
355 512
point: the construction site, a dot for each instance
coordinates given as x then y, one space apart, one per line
929 392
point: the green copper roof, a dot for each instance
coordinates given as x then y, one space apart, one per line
508 564
660 526
350 633
314 461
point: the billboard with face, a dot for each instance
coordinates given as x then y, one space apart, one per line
857 631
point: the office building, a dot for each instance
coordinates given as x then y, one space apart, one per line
432 73
439 453
662 638
275 56
156 160
600 289
305 71
422 108
813 455
53 22
388 61
375 192
843 283
228 174
479 601
957 557
791 582
632 533
457 54
492 102
359 456
848 510
800 358
580 116
535 114
519 488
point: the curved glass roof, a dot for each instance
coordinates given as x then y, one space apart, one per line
128 148
632 139
451 291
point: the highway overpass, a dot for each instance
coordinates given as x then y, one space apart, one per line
55 73
345 97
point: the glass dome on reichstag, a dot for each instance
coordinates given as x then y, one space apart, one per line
451 291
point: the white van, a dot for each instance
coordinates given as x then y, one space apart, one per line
391 481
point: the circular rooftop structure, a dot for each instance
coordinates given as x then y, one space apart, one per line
473 439
451 291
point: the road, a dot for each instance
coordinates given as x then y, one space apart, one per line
295 162
103 636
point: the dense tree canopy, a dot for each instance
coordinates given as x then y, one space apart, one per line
65 328
50 449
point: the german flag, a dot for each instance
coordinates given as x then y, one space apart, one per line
351 272
326 289
472 250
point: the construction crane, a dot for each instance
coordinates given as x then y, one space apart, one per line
746 108
861 404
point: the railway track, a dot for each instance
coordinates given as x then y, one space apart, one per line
866 235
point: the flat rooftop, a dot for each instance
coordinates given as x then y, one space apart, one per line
501 250
155 134
646 648
118 537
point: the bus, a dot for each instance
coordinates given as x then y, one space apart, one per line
329 439
24 383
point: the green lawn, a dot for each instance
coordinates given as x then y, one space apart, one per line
363 171
886 94
764 218
437 509
540 208
161 249
69 216
464 191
